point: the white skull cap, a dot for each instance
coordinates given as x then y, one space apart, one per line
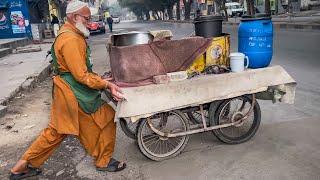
75 5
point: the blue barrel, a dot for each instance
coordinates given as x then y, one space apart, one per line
255 40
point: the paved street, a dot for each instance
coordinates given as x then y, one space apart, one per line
285 147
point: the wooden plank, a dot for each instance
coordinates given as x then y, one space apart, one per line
146 100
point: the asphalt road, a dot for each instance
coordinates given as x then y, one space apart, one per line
286 145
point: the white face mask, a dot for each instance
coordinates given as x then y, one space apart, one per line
82 28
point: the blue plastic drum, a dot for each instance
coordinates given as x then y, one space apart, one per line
256 40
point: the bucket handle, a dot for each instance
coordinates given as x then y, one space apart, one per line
247 61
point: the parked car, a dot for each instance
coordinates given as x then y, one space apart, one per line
116 19
96 25
233 9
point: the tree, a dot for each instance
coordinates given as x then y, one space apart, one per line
169 6
61 6
187 8
250 7
178 10
222 6
267 7
39 10
143 7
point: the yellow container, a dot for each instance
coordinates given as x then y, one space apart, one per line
198 65
218 52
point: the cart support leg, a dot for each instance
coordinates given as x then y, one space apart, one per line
203 118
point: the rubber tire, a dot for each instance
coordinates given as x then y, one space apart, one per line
143 122
252 131
127 131
192 118
211 111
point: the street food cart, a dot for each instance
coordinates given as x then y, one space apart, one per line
161 117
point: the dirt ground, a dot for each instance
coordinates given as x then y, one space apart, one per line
27 115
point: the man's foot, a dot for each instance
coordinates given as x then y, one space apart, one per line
30 171
113 166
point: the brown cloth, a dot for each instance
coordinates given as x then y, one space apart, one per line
136 65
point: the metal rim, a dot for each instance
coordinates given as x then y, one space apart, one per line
159 146
195 116
229 112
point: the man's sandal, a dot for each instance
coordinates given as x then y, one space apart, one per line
31 172
113 166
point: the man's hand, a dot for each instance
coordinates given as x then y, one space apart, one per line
115 91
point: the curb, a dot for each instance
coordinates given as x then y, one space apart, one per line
27 85
275 24
5 51
15 44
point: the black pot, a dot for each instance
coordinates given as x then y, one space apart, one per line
208 26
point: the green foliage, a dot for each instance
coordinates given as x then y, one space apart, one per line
141 7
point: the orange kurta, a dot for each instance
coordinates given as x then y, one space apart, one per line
95 131
70 50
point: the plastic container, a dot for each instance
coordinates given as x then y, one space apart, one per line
208 26
255 36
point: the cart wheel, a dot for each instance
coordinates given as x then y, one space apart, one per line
195 116
157 147
243 131
128 128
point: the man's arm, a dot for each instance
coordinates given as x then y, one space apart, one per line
74 53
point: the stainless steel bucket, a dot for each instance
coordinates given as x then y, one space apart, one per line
131 38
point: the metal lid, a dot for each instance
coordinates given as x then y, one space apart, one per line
260 16
208 18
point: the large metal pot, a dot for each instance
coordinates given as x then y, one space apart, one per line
131 38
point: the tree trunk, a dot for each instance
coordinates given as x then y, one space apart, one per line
147 15
178 10
206 2
267 8
277 6
187 9
159 15
170 12
224 9
154 15
250 7
164 15
216 9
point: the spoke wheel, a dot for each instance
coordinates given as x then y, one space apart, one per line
236 108
157 147
195 116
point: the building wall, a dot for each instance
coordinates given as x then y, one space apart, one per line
309 4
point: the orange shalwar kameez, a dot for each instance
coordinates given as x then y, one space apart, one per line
95 131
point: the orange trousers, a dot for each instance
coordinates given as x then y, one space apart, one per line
98 142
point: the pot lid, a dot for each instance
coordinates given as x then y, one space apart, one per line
209 18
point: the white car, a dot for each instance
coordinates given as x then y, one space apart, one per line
116 19
233 9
